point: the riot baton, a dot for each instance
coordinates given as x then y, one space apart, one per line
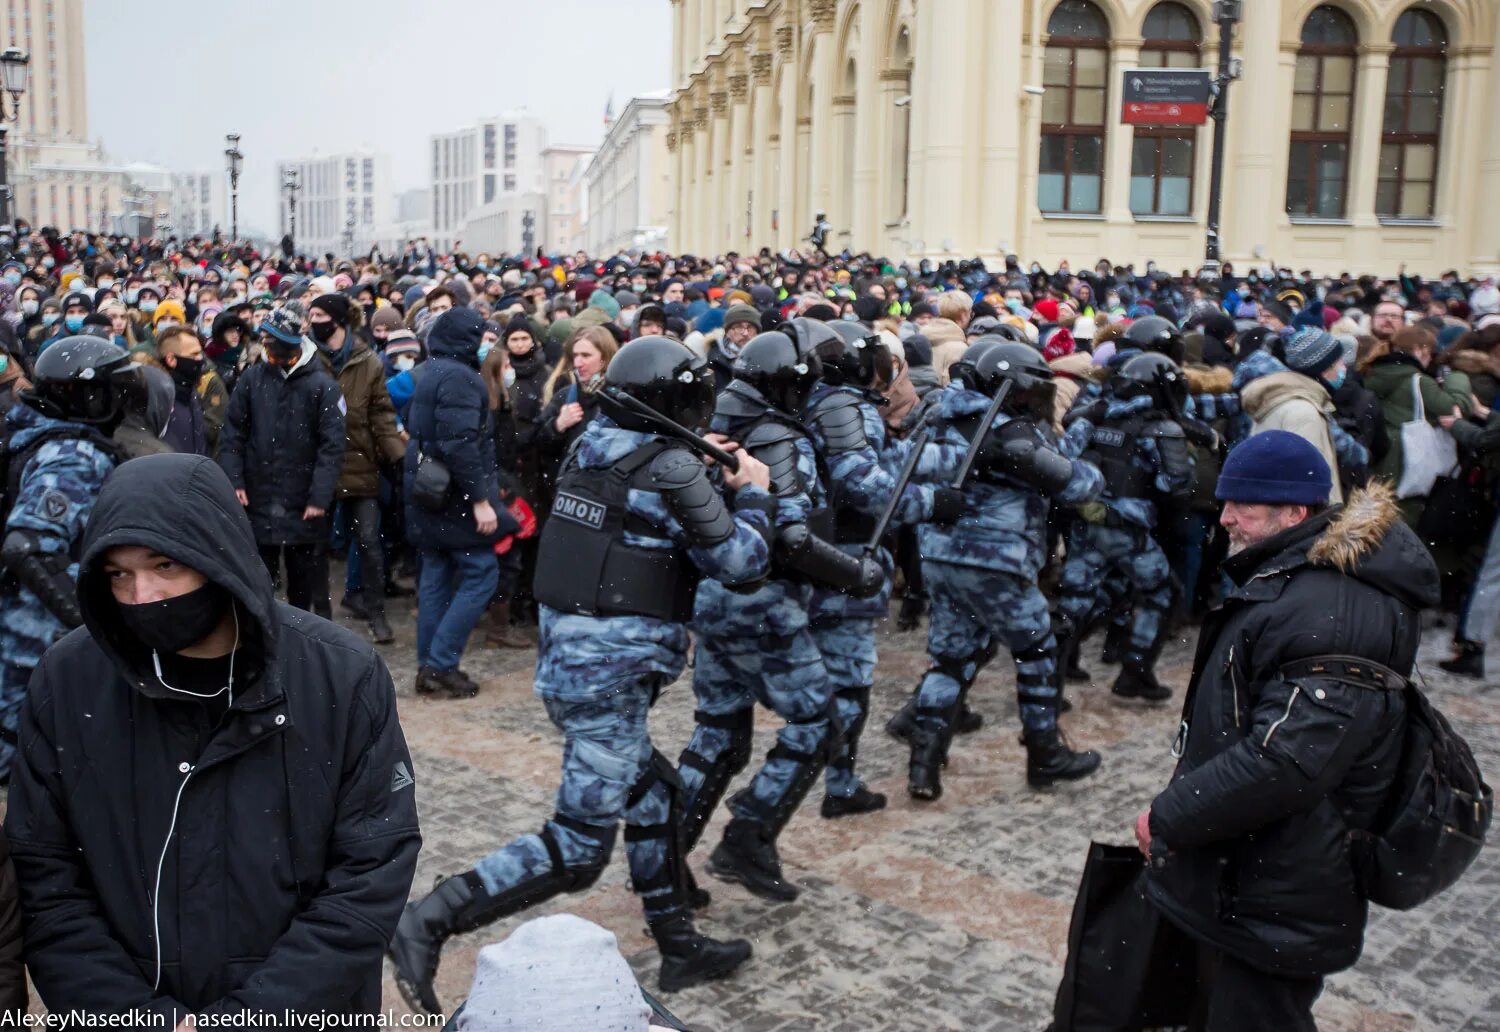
672 429
908 469
980 434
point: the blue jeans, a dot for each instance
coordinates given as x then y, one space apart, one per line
453 593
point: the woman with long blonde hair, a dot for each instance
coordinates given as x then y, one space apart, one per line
571 393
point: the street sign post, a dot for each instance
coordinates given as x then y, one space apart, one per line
1166 96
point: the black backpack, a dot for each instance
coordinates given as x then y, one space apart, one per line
1434 822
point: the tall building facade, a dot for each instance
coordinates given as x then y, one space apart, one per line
344 201
563 167
51 31
950 128
200 201
629 181
473 166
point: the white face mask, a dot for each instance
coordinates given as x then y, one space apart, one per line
405 363
509 376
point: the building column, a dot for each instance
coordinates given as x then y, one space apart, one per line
823 140
1005 121
1254 204
788 181
719 173
1368 123
1119 138
889 148
870 127
702 155
687 216
1483 220
842 126
765 138
941 125
674 162
739 166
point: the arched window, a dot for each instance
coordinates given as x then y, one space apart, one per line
1413 117
1076 77
1161 160
1317 178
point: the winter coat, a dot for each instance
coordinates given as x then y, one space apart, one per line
450 420
1389 379
720 363
1249 841
283 445
924 379
948 345
184 430
213 400
1298 404
12 965
526 411
1483 371
369 423
551 445
1358 411
285 834
1070 372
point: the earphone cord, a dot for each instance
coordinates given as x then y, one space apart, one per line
156 662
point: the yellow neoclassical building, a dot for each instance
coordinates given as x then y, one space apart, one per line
1362 134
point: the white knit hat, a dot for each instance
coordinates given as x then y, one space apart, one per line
554 974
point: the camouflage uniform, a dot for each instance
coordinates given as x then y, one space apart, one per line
56 494
1115 540
981 576
598 677
861 482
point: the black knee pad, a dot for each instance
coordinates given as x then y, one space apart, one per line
579 876
741 728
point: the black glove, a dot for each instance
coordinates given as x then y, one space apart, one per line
1093 411
947 506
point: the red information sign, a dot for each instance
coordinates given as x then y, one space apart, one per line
1165 96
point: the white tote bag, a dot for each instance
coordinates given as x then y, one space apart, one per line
1427 451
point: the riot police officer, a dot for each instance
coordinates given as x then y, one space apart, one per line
844 417
57 454
1140 447
758 645
981 572
636 521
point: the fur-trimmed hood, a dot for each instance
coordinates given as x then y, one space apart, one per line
1078 366
1205 379
1474 362
1366 538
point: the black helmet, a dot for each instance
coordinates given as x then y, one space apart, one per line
77 379
1152 375
851 355
982 327
776 366
1033 394
1155 334
665 375
965 371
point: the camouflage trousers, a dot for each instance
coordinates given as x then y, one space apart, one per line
607 754
13 682
786 674
1104 562
973 608
848 649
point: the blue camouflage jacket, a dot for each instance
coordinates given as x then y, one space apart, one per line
1004 524
56 495
1139 512
862 480
586 658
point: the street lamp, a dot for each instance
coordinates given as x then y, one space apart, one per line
1226 13
291 186
232 159
14 63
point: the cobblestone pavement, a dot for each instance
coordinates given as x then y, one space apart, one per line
947 916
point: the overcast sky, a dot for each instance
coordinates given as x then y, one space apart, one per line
168 78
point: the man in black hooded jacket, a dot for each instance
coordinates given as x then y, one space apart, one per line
212 809
1280 758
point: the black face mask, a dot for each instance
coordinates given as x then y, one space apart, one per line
174 624
323 332
187 370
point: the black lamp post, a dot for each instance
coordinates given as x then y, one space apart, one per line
14 64
1226 13
349 235
232 160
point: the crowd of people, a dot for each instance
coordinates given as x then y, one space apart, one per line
1022 456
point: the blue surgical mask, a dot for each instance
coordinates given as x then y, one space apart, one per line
485 349
148 306
132 296
850 317
901 282
74 323
50 318
13 278
1338 381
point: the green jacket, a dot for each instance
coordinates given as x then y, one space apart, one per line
1389 378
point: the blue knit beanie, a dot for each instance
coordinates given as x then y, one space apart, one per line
1312 351
1275 467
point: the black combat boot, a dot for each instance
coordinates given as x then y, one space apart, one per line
459 904
688 958
862 801
929 754
1049 760
353 604
698 898
1115 640
1068 659
380 627
900 726
1139 683
1470 659
747 855
910 614
444 684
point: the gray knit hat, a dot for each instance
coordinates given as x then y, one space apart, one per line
1312 351
742 313
555 974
